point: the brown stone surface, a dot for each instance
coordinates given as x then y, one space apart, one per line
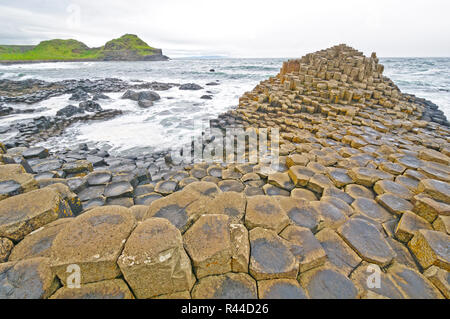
367 241
39 242
442 223
231 204
338 252
305 247
394 204
21 214
154 262
387 186
266 212
327 283
370 209
302 193
108 289
208 243
6 246
431 248
16 173
184 207
429 208
270 256
93 241
413 284
240 245
280 289
407 226
227 286
366 283
437 190
440 279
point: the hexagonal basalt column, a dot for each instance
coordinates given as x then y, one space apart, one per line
154 261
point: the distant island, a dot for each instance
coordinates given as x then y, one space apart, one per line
128 47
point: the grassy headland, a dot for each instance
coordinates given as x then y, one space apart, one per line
127 47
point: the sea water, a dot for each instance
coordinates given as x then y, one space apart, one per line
169 122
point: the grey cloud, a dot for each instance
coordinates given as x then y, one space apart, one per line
240 28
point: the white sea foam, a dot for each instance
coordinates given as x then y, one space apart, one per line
169 121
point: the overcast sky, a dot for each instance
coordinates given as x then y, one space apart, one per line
237 28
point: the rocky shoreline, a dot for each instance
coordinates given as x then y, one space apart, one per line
362 181
156 58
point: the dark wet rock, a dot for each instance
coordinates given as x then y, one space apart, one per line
141 96
338 252
100 96
165 187
92 192
131 95
206 97
79 95
144 189
9 188
32 152
90 106
69 110
76 184
126 177
148 96
146 199
120 201
18 160
119 189
27 279
394 204
95 202
190 86
145 103
99 178
95 160
5 110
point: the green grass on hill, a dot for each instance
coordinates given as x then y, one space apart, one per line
73 49
129 42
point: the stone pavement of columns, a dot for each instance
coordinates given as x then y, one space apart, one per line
362 183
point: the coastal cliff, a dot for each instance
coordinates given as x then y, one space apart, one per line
361 190
129 47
